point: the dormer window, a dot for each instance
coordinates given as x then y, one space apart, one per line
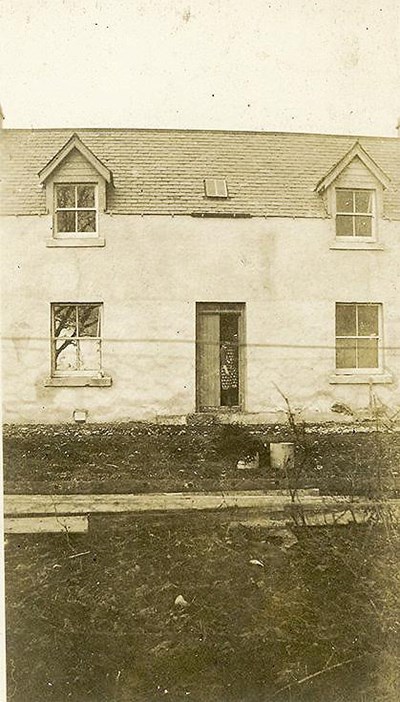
75 210
76 184
355 213
352 191
215 187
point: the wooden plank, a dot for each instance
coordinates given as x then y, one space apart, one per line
41 525
316 510
90 504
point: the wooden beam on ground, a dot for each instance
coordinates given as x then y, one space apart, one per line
277 504
152 502
42 525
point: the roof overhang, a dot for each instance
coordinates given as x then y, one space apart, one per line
74 143
356 151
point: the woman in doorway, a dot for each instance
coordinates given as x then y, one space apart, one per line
229 372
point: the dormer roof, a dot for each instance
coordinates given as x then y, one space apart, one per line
356 151
74 143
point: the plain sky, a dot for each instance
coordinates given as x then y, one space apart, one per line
284 65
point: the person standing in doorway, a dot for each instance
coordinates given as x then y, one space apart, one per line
229 376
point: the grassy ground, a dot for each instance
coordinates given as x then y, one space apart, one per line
150 458
317 605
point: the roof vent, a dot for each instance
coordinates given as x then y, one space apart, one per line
215 187
398 127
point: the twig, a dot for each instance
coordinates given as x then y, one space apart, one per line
13 680
318 673
75 555
298 432
63 526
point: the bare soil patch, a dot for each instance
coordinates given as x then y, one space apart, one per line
139 457
203 609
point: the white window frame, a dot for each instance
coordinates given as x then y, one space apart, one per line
373 215
53 339
216 188
362 371
75 234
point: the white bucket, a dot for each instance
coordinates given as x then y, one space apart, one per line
282 457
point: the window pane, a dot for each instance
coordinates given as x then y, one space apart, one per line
363 226
66 221
65 356
368 320
367 353
89 354
345 320
87 221
88 320
65 196
363 200
344 225
344 201
345 353
85 196
64 321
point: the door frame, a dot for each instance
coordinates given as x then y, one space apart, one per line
238 308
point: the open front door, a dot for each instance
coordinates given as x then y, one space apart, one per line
219 356
208 393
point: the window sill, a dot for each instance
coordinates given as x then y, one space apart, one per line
354 379
357 245
78 381
228 409
78 242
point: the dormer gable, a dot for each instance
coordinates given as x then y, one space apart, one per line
72 149
357 164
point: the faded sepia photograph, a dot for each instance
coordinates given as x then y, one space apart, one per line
200 350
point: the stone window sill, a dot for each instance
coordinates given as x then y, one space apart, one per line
356 245
355 379
78 381
77 243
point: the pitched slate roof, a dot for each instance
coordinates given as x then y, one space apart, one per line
162 171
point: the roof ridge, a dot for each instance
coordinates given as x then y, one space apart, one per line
73 130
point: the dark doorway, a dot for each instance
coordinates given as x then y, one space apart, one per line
219 355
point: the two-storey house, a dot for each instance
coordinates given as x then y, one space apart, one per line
157 273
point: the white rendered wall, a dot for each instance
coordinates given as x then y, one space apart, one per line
150 275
